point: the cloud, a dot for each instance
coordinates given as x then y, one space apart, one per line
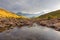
29 6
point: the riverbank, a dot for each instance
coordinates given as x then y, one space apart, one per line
35 32
51 23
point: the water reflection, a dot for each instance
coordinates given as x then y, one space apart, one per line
30 33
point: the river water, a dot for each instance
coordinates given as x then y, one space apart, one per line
30 33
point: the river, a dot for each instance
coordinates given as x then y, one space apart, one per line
35 32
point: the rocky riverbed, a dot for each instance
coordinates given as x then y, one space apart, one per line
35 32
29 29
10 23
51 23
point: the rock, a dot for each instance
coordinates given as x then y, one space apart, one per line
8 23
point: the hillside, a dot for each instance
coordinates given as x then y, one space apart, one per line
7 14
9 20
51 20
54 14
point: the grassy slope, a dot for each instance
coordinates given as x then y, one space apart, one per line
54 14
6 13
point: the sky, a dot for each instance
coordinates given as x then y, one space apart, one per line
30 6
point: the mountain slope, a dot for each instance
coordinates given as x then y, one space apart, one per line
54 14
6 13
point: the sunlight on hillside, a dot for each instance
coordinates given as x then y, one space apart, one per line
7 14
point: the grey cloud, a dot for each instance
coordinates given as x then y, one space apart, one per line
29 6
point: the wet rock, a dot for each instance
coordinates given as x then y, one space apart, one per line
8 23
51 23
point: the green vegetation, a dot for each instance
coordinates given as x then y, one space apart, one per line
54 14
